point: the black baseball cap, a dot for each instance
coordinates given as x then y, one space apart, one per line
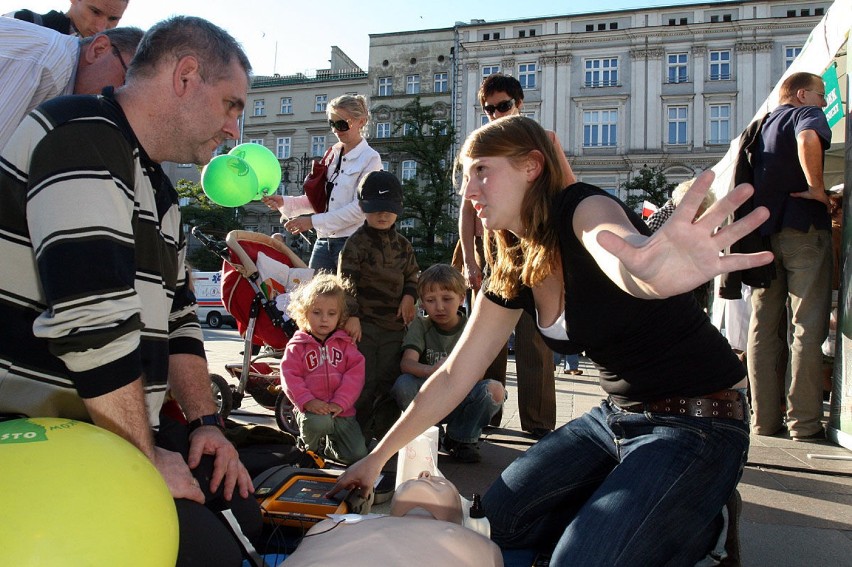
379 192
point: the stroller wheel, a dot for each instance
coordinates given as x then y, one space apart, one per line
222 395
284 415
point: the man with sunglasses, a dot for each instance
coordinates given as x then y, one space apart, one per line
37 64
788 180
502 95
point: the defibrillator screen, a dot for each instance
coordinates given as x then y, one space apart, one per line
308 492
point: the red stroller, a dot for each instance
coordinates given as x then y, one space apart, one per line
257 269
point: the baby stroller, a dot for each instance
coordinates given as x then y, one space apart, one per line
258 271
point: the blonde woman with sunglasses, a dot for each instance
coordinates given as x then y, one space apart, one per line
351 158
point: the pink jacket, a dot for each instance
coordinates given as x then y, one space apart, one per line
332 371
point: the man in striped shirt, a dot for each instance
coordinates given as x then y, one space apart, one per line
37 64
98 318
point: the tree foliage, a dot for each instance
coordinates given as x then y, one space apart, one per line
430 198
211 218
649 184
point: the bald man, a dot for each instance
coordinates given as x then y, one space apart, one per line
37 64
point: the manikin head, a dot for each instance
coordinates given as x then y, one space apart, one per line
428 496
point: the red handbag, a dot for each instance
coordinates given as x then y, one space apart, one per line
315 184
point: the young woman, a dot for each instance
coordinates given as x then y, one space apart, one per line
350 160
641 479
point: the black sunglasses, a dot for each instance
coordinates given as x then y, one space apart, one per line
339 125
117 53
504 106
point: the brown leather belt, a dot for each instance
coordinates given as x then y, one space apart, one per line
725 404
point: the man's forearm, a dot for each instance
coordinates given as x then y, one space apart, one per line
467 229
123 412
811 158
189 383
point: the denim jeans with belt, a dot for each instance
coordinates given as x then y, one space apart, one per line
465 422
325 254
614 487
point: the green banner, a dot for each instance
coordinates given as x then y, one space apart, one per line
834 110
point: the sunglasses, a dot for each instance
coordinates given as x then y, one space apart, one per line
339 125
117 53
504 106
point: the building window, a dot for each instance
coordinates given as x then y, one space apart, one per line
600 128
441 83
409 169
677 67
677 116
259 107
286 105
385 86
720 65
282 148
720 123
483 119
439 127
522 33
790 54
526 75
601 72
412 84
486 36
383 130
409 129
321 103
258 141
386 165
317 145
489 70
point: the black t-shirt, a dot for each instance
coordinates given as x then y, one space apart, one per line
645 349
778 172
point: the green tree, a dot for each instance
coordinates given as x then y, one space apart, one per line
430 198
214 220
651 185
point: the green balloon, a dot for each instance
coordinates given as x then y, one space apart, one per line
229 181
265 165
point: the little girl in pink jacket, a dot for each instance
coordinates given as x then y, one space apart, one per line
323 371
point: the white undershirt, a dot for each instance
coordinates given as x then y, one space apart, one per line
558 330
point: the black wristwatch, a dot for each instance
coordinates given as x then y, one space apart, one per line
211 419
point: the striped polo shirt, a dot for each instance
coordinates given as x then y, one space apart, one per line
94 290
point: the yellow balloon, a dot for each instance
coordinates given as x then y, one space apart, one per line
76 495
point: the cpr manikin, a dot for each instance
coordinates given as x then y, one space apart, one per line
424 528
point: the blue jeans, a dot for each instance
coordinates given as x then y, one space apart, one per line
465 423
572 361
619 488
325 254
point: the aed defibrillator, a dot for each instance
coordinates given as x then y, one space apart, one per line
296 497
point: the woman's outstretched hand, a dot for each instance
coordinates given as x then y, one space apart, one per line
684 253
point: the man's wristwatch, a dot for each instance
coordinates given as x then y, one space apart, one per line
213 419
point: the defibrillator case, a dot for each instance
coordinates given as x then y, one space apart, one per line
295 497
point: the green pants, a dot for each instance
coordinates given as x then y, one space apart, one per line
342 435
375 409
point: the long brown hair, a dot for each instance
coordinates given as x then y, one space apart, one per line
527 260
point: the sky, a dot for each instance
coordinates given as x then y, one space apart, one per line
287 37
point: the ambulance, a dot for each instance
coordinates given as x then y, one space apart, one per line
208 295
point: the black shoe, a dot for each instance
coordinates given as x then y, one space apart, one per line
539 432
462 452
